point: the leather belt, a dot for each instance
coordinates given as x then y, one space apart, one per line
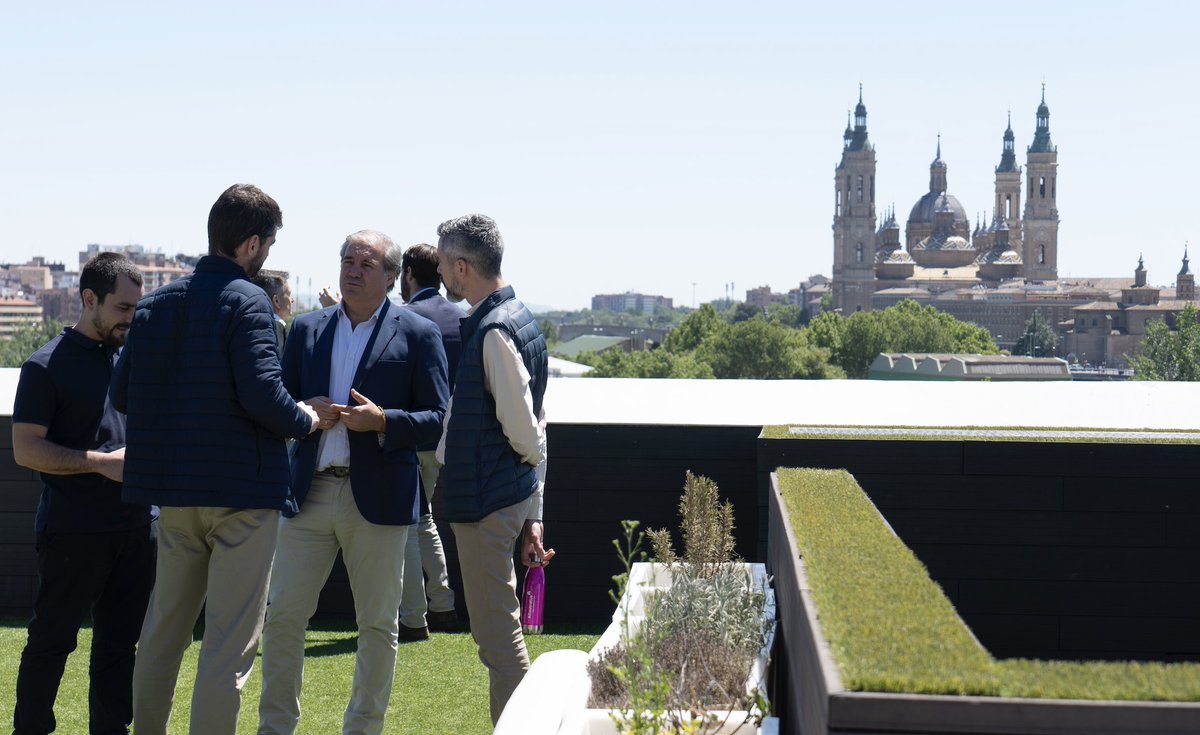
335 471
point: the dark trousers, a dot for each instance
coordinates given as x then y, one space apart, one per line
111 575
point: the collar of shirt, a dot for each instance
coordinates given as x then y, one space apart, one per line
415 296
344 317
81 339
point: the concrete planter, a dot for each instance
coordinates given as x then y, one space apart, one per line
816 703
552 698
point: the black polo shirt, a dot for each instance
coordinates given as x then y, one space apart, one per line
64 387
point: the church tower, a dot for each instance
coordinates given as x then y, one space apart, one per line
1185 282
1040 229
854 218
1008 190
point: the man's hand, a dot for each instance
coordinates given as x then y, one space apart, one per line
314 421
326 412
32 449
366 416
532 553
328 297
110 464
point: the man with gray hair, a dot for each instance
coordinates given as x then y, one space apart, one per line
494 446
376 375
275 285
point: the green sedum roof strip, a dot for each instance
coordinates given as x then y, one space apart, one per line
984 433
892 629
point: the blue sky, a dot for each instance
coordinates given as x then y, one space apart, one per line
620 145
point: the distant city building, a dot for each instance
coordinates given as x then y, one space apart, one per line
640 338
630 301
158 269
591 343
1107 331
927 366
15 312
54 290
762 297
63 304
29 278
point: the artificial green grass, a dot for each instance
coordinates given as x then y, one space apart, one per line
440 685
892 629
1043 434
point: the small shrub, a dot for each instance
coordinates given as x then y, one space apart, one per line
699 637
707 526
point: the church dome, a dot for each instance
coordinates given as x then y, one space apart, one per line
937 242
943 250
932 202
1000 257
895 256
894 265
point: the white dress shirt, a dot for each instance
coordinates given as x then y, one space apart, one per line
349 343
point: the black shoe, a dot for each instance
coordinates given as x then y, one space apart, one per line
445 621
412 635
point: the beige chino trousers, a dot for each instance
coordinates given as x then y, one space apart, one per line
485 553
222 555
308 546
424 556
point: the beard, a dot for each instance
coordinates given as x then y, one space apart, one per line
451 293
112 335
256 265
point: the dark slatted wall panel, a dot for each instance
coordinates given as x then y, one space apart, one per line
599 475
19 492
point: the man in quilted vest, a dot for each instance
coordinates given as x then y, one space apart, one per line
494 446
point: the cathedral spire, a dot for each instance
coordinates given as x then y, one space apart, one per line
1008 153
1186 269
858 138
1041 137
937 171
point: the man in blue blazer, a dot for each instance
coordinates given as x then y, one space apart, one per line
376 375
424 556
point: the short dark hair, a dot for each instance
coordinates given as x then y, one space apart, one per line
273 282
475 239
241 212
423 261
101 272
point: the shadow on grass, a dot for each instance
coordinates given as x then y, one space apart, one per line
336 647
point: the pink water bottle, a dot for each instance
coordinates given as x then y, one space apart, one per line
532 599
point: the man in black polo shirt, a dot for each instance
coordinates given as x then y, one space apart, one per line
95 553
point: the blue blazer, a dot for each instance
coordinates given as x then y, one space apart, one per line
403 370
433 306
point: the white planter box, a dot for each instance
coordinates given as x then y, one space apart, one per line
552 698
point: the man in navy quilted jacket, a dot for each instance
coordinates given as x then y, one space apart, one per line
207 417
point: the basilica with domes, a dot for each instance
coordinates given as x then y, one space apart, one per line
942 251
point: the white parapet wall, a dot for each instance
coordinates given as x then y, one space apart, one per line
1115 405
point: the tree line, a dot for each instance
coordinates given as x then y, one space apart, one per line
779 343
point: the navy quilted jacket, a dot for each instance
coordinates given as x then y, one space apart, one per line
199 381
